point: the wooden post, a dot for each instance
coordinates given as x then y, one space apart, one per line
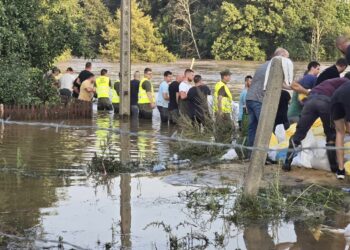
125 210
125 64
2 111
265 127
124 141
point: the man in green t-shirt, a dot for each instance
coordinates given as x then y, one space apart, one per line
302 87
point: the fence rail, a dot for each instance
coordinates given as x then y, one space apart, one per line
73 109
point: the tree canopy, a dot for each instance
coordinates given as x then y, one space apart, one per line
146 42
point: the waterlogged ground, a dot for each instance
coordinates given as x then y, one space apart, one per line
47 199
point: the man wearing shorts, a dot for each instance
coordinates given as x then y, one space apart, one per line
340 114
317 105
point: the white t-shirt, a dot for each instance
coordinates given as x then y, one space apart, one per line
66 81
185 87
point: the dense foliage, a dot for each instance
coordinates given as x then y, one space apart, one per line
252 29
35 32
146 43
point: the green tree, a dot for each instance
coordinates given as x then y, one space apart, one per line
146 43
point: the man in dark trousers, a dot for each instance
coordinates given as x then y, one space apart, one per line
198 101
134 92
334 71
318 105
174 94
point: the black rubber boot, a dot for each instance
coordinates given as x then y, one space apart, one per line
332 157
290 155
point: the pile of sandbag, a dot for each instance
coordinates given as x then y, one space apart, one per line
312 158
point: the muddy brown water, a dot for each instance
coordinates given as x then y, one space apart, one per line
45 193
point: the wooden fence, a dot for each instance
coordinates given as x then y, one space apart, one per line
73 109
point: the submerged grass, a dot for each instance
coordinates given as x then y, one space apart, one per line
272 204
213 130
107 162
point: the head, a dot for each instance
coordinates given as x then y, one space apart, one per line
341 65
91 78
226 76
347 75
104 72
313 68
248 80
197 80
168 76
342 43
69 70
137 75
180 78
189 74
55 71
281 52
148 73
88 66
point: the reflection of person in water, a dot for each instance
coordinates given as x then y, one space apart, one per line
256 237
306 240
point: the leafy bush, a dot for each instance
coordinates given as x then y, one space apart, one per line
22 84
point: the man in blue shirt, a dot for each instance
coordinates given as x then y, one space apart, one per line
163 97
242 98
302 87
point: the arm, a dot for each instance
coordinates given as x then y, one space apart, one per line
219 104
183 95
166 96
297 87
177 97
150 98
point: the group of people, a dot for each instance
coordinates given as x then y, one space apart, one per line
316 95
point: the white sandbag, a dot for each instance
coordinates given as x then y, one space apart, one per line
230 155
320 159
280 133
315 158
303 159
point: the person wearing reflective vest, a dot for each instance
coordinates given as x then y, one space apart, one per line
223 97
115 95
103 84
146 98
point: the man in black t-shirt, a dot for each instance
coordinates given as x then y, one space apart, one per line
134 92
85 74
173 99
333 71
198 101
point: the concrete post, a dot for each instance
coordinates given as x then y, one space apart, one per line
125 210
125 64
265 127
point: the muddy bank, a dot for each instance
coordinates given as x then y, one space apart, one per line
234 173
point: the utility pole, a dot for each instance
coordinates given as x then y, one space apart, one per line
125 64
265 127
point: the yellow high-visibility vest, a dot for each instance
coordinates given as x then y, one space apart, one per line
226 102
102 87
143 97
115 96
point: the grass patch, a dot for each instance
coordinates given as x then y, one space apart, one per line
107 162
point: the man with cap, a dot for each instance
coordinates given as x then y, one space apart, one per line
223 97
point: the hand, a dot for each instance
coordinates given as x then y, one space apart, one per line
153 105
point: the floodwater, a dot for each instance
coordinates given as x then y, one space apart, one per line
47 199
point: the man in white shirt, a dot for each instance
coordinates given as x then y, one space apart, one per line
184 87
66 83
